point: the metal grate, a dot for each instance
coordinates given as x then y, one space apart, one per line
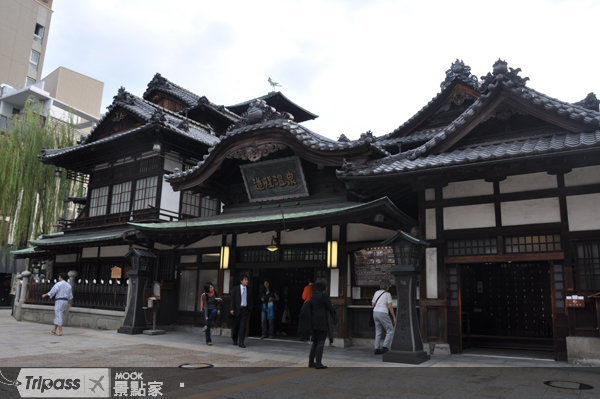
545 243
586 265
478 246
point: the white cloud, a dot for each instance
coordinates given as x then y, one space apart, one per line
359 65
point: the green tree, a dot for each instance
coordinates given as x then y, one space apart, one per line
31 197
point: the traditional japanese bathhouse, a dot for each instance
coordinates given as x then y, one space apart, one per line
286 217
122 162
507 181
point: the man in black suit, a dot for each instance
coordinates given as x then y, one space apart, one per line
241 303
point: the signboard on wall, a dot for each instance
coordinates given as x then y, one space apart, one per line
371 265
274 180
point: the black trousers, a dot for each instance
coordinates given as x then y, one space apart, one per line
238 332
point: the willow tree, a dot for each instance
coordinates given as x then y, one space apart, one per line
32 198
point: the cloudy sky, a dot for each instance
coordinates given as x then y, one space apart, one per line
359 65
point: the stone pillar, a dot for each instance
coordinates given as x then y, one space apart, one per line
73 274
407 344
26 276
17 302
135 319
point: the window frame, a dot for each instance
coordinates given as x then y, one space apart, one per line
39 38
34 64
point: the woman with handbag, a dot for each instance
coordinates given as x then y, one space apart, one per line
382 310
208 305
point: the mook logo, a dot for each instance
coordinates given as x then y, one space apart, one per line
64 383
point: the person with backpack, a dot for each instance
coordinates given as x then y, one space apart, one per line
382 310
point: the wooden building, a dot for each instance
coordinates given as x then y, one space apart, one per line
508 184
502 180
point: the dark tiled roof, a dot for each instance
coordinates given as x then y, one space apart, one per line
502 77
458 73
264 216
148 112
414 137
301 133
557 142
278 100
158 82
190 99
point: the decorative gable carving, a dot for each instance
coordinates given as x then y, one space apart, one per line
259 111
458 70
255 153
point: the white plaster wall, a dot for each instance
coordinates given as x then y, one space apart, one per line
70 258
160 246
530 182
304 236
335 233
169 199
363 232
255 239
469 217
210 241
91 252
172 161
188 259
335 283
516 213
583 176
431 272
583 212
430 224
471 188
430 194
116 250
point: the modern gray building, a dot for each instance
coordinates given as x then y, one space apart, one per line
24 26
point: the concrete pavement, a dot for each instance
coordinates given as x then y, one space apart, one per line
277 368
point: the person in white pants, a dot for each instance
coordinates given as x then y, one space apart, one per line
382 308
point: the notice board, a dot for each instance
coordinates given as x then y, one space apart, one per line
371 265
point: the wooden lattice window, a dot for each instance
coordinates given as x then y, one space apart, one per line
98 201
256 255
145 193
121 198
210 207
586 265
476 246
542 243
197 206
304 254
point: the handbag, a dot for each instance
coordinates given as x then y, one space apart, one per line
371 319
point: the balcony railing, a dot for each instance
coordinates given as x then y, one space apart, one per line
107 296
142 215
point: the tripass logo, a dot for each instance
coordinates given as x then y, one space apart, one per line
64 383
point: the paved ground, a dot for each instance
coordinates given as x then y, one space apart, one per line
278 368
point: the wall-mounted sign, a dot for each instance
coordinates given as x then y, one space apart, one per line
274 180
115 272
371 265
575 301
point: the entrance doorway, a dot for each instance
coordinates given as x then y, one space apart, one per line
289 282
506 305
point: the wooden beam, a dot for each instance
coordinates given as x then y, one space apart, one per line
517 257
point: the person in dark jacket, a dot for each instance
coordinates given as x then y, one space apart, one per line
241 303
208 305
320 307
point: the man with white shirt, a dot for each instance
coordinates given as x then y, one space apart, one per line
241 303
64 295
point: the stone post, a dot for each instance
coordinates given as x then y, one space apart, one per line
17 303
72 282
73 278
26 275
407 344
